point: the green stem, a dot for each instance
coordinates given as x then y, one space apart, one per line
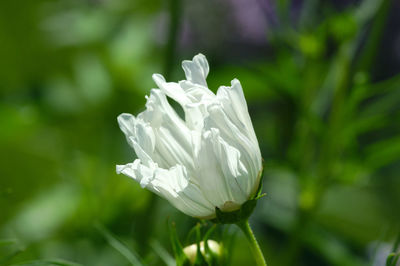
255 248
175 12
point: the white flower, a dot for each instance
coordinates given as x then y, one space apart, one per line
210 159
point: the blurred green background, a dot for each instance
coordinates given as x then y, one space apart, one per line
322 81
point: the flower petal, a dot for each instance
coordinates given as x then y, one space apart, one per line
143 174
192 98
127 124
139 135
235 106
172 184
172 136
250 153
196 70
172 89
216 176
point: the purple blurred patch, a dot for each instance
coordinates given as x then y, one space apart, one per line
251 19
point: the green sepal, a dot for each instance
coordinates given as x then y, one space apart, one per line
234 217
245 210
259 193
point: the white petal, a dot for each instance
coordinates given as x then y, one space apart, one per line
235 106
181 192
172 137
127 124
196 93
250 153
139 135
195 114
193 99
172 184
140 152
197 70
233 169
172 89
217 182
184 92
143 174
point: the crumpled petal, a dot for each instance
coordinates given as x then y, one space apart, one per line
192 97
171 136
172 184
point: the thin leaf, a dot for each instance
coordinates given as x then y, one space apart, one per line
162 253
207 237
119 246
57 262
7 242
383 152
200 259
189 237
366 91
9 257
392 259
180 256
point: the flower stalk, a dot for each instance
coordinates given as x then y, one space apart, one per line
255 247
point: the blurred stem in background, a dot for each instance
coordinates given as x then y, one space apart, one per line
175 14
371 47
331 144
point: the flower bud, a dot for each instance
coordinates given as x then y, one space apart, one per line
215 250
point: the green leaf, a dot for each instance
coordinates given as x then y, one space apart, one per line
7 242
207 237
392 259
119 246
212 258
191 236
200 259
260 186
180 256
162 253
366 91
383 152
57 262
10 256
